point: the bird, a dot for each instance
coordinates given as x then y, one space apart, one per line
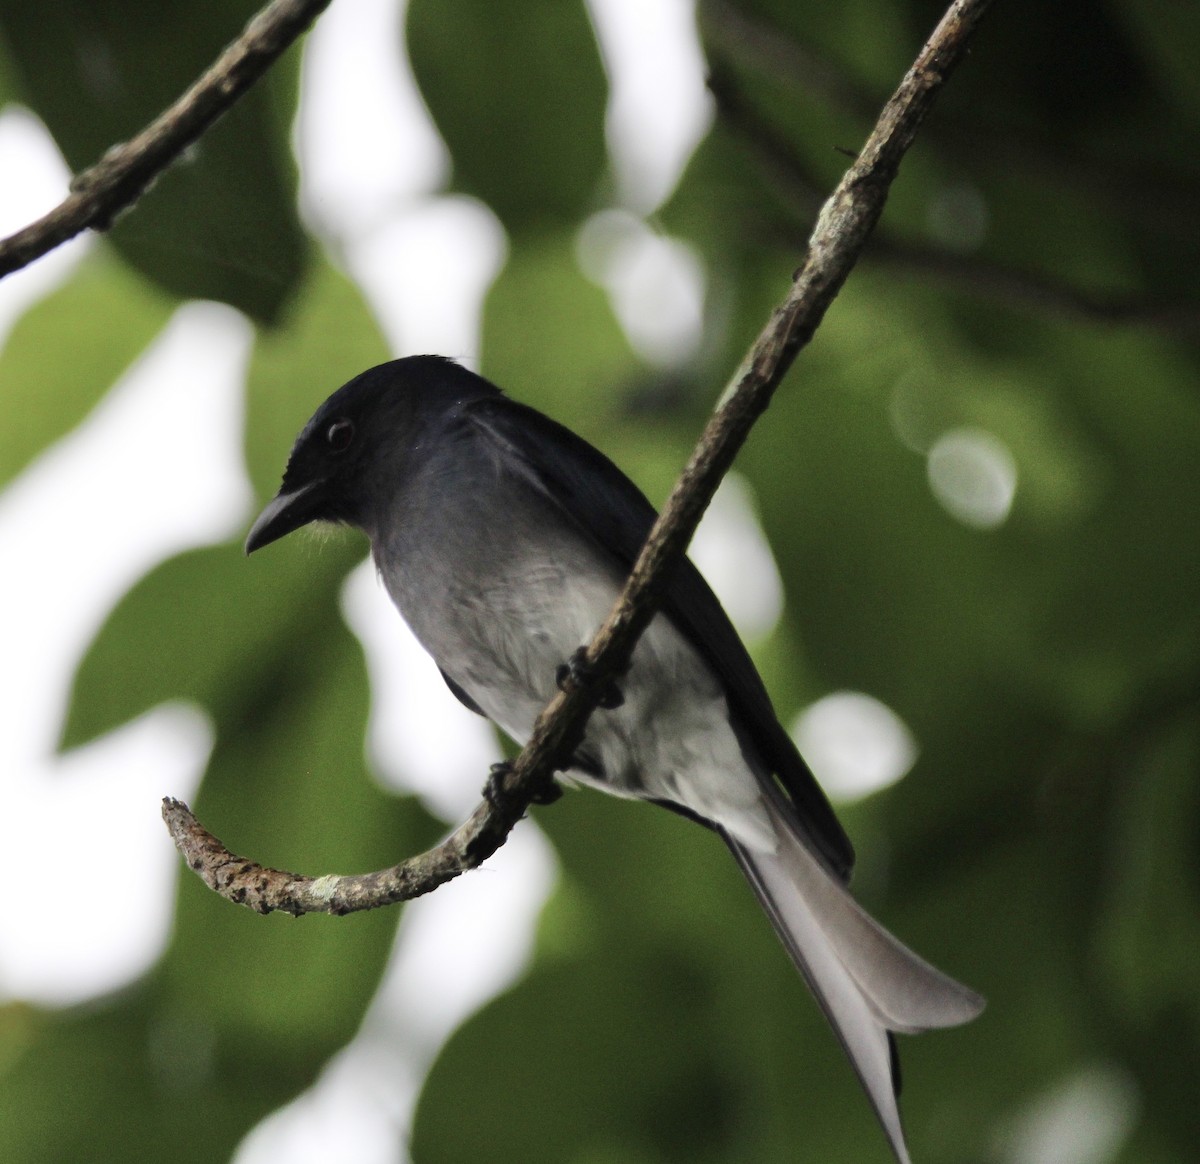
504 539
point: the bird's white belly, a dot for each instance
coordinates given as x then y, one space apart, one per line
670 739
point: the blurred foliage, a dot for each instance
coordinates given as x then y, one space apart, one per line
515 83
110 315
1046 848
222 223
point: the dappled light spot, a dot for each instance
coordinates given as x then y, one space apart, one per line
656 284
371 162
957 216
1084 1119
974 476
364 140
27 149
731 551
425 274
658 106
154 470
94 811
914 410
854 744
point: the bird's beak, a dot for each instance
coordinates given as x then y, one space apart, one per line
284 512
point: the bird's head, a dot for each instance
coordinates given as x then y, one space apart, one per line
360 435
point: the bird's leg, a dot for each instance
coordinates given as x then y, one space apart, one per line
576 670
494 792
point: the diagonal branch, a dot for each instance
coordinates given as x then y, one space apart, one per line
837 241
122 176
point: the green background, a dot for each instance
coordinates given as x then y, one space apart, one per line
1045 848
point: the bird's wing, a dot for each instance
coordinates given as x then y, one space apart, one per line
614 514
462 696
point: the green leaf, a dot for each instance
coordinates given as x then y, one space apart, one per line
232 626
219 224
66 351
288 783
518 92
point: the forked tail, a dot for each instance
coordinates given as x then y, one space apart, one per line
867 982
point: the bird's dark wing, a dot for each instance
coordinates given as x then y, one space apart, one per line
594 494
462 696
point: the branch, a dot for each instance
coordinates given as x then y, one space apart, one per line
265 890
837 241
125 172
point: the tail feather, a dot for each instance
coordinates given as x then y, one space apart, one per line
867 982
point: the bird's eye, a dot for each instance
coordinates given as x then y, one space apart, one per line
339 435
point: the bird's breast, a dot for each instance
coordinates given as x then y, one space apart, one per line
501 602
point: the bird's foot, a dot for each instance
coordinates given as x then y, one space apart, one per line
576 670
548 792
494 792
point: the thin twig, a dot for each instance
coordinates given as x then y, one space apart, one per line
120 178
840 235
262 889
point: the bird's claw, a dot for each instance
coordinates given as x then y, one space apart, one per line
500 798
493 790
576 670
547 792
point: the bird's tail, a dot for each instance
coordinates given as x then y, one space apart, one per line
867 982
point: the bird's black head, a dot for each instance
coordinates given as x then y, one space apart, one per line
356 436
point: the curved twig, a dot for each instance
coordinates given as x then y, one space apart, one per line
120 178
264 890
836 243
